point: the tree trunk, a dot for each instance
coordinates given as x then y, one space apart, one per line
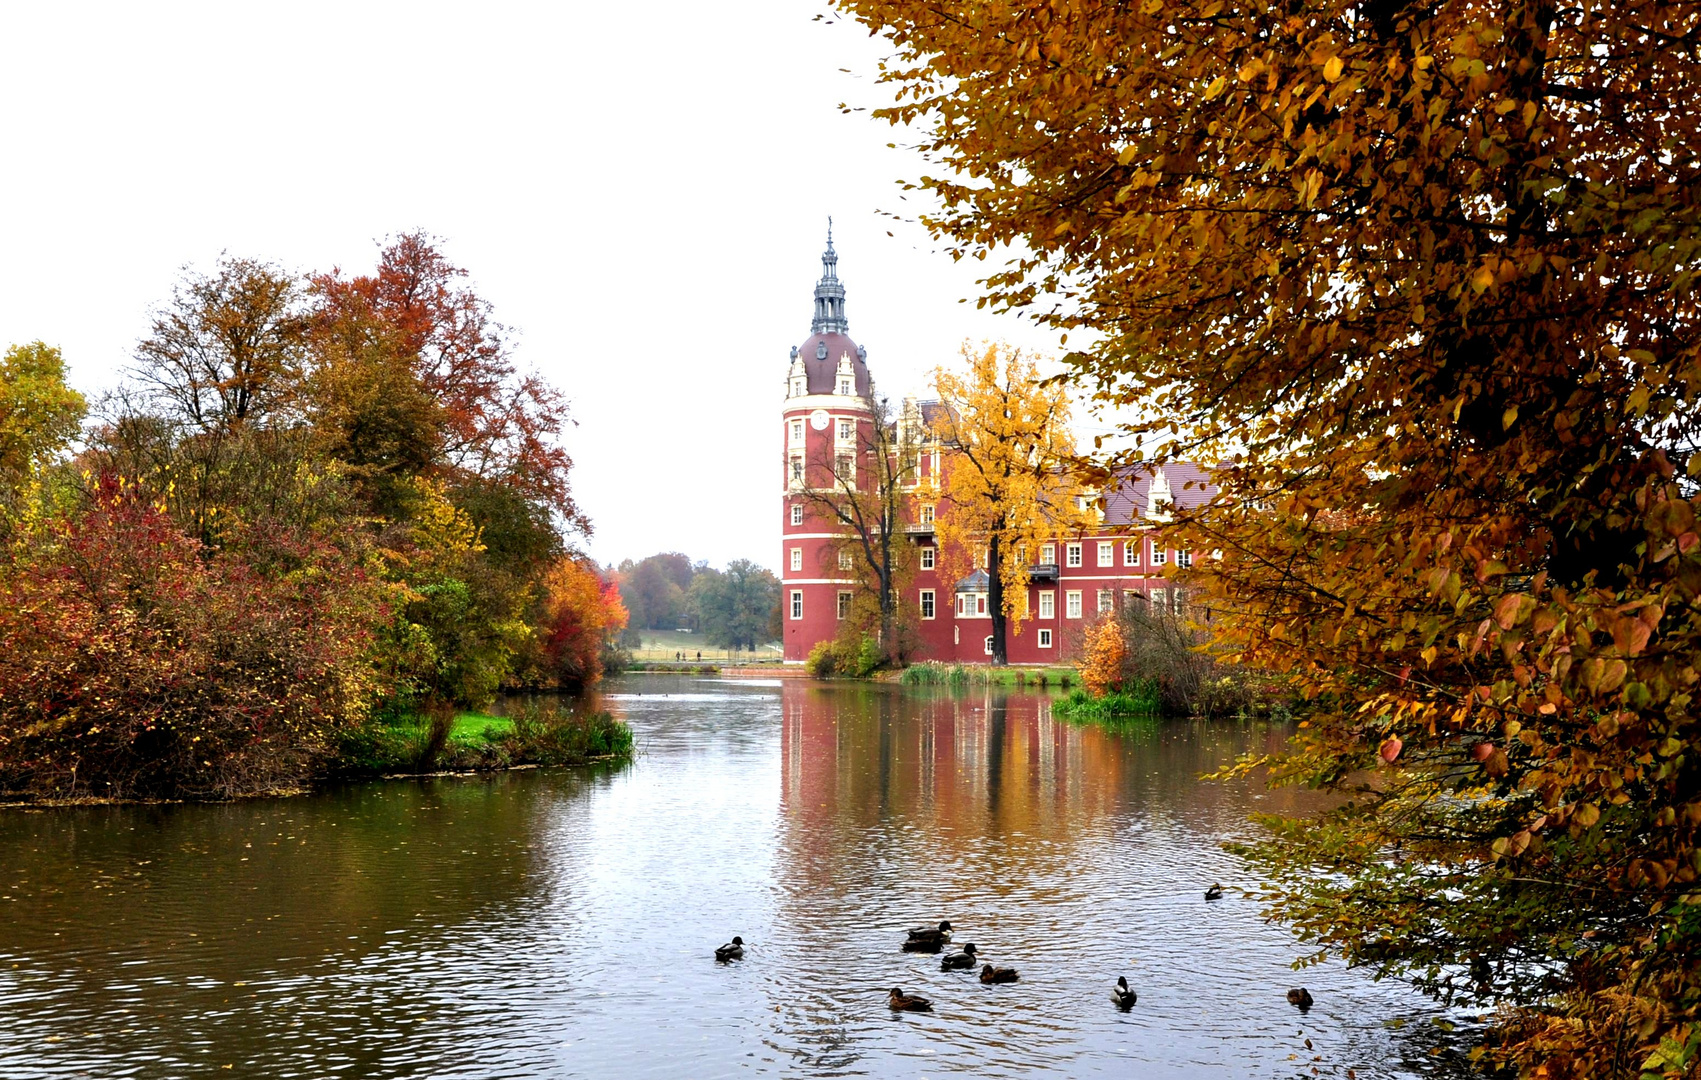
995 602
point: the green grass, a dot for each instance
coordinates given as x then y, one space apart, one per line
936 673
471 728
476 741
1138 702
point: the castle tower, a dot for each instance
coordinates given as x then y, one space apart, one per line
826 431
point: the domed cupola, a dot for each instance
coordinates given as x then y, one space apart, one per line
831 362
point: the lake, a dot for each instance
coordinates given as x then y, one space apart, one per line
561 923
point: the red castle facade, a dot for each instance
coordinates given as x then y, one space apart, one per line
828 416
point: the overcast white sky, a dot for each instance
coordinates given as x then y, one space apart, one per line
640 189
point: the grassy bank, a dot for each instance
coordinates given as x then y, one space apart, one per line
935 673
479 742
1140 702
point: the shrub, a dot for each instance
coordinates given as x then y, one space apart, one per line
134 663
549 735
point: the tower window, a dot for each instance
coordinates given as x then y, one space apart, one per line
847 430
844 560
797 603
927 603
844 605
797 513
797 558
797 432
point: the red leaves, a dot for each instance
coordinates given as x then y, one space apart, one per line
1390 749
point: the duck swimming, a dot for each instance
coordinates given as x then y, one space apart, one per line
1215 892
898 1001
928 938
1123 996
1301 997
964 959
990 974
734 950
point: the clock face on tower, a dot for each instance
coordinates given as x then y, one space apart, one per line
818 419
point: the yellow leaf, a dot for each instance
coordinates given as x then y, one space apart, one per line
1218 85
1332 69
1482 279
1508 418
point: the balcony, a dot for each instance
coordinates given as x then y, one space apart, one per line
919 531
1042 572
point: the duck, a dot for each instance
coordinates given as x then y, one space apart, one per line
1215 892
990 974
733 950
1300 997
928 938
964 959
898 1001
1123 996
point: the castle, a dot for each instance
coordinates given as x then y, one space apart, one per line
828 416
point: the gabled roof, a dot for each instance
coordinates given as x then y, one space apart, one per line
975 582
1126 502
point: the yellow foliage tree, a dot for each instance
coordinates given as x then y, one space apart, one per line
1103 652
1421 279
1007 484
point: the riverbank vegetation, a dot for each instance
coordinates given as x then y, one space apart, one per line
1418 282
318 503
533 734
939 673
1145 660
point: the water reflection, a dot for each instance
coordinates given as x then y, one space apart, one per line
559 923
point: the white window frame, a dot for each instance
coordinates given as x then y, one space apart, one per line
796 438
929 604
846 560
928 555
796 559
1047 604
844 464
1159 554
927 513
1048 553
797 603
845 387
842 609
1072 604
989 644
1131 553
845 430
1107 601
1107 553
1184 559
796 476
1071 554
797 513
1045 638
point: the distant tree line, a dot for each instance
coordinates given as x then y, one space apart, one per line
738 607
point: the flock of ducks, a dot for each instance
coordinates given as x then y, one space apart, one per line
933 939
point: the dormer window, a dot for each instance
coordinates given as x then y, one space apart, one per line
845 386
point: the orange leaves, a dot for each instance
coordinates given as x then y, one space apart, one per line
1103 654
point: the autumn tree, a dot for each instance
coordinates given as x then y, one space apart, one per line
1419 279
1007 483
489 420
653 589
228 348
39 417
582 618
864 493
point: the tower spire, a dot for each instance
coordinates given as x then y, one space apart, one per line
829 293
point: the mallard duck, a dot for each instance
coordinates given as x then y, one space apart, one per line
1300 996
990 974
1215 892
928 938
734 950
1123 996
898 1001
964 959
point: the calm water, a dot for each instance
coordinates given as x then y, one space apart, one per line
544 924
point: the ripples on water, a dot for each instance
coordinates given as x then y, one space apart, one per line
561 923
